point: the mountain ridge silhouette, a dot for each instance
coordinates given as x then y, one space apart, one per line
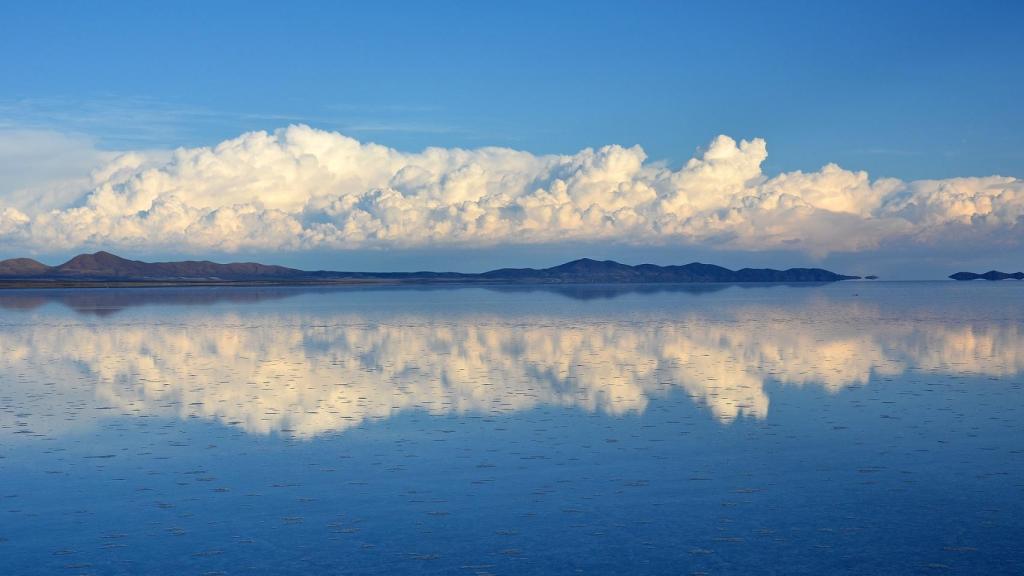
104 266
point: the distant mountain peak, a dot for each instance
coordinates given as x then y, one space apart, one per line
101 256
589 265
99 262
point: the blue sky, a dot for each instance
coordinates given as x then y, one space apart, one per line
909 90
906 89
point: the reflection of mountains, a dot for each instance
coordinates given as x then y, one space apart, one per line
307 375
607 291
107 301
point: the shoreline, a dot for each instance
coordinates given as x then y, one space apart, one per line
100 284
95 284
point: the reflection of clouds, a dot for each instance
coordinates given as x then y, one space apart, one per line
315 374
958 351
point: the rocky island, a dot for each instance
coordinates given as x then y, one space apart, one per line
990 275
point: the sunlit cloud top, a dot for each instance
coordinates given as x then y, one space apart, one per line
300 188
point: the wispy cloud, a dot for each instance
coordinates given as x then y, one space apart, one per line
113 120
143 122
882 151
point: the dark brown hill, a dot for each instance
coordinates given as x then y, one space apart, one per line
107 265
22 267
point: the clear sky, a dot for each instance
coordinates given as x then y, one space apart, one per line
916 91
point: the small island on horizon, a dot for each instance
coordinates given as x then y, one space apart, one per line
106 269
990 275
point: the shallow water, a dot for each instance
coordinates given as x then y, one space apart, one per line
847 428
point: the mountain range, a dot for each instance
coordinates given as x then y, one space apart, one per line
107 267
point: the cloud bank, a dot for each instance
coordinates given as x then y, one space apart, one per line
300 188
310 374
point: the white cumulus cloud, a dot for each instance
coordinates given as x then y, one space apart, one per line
301 188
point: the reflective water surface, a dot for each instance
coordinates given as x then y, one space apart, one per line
849 428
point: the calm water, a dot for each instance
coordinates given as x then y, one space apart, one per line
850 428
